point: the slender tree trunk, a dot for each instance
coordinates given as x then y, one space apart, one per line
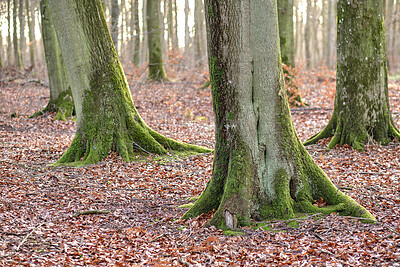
9 44
331 34
156 64
199 36
175 41
106 117
261 170
315 26
136 26
30 35
144 53
307 35
17 54
286 35
170 20
60 92
22 40
114 22
361 112
187 33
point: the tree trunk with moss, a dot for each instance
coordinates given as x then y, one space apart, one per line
361 112
106 116
261 169
286 35
156 65
136 27
61 100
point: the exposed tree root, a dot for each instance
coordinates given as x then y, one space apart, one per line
356 138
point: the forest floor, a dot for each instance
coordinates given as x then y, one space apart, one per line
39 223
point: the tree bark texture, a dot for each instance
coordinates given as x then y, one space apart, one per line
156 64
261 170
286 35
361 112
107 119
61 100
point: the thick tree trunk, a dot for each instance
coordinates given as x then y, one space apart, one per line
106 117
156 65
61 100
261 169
361 112
17 54
285 16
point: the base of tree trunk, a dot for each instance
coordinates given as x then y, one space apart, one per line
238 201
129 142
63 105
355 137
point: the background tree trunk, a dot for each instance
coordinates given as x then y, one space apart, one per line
30 35
114 22
22 40
17 54
106 117
156 65
361 112
9 44
261 170
331 36
187 33
307 35
60 92
144 52
175 41
136 53
199 36
286 35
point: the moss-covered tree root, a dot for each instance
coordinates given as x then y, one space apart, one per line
342 133
89 147
239 199
63 105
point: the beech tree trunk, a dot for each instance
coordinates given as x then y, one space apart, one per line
30 34
361 112
286 35
114 22
307 36
9 44
156 64
17 54
261 170
61 100
199 36
22 40
106 116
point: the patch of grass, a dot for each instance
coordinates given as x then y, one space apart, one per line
232 233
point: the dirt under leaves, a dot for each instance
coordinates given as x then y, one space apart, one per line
143 227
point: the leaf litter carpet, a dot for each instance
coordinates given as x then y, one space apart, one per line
39 204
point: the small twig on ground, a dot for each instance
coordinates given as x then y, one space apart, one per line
28 235
87 212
